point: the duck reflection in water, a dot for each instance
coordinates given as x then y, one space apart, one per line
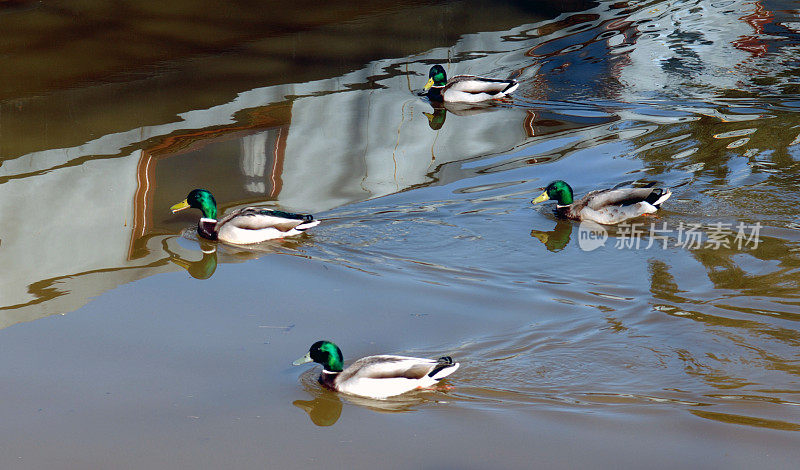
325 406
556 239
202 269
324 409
205 267
437 118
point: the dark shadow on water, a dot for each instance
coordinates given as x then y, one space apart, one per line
741 420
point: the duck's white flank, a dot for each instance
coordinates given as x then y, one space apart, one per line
241 236
386 376
614 214
474 91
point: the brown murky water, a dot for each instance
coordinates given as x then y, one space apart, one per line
128 343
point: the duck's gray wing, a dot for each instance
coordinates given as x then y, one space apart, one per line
597 200
386 367
473 84
258 218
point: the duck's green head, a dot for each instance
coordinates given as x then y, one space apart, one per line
559 191
325 353
437 77
199 199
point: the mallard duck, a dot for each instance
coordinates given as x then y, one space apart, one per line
605 206
465 88
376 376
244 226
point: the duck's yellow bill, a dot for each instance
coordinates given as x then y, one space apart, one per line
542 198
181 262
542 237
428 85
180 206
303 360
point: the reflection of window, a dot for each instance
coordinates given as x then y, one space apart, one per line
253 161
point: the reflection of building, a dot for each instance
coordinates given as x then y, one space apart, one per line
181 160
699 48
81 220
687 49
66 231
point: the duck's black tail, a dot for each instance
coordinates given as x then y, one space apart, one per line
443 363
657 196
